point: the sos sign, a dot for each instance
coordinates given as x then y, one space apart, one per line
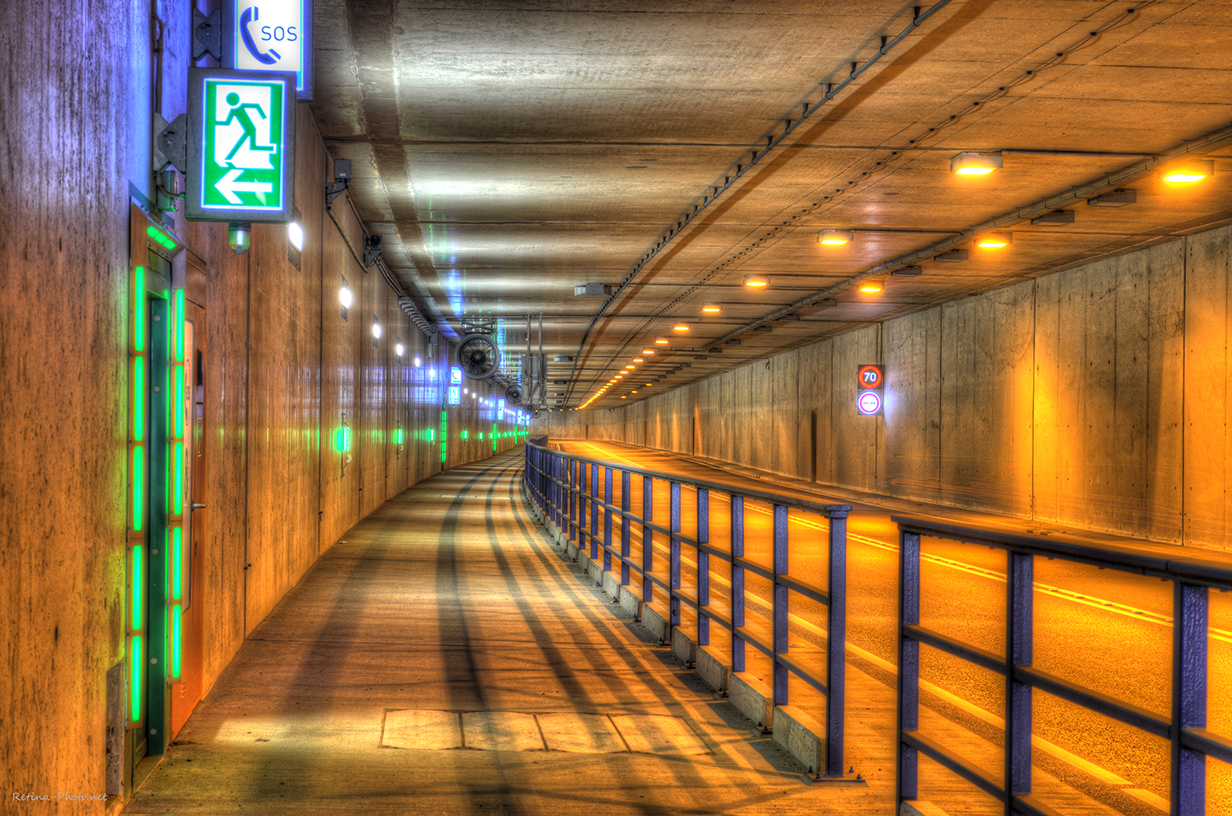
270 35
870 379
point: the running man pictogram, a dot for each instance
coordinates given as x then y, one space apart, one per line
239 112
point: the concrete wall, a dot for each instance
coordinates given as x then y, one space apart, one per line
1097 397
282 366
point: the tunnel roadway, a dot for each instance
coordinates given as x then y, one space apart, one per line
1106 630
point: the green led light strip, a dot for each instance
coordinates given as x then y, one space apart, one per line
176 485
137 577
135 708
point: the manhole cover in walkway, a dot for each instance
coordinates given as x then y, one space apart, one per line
517 731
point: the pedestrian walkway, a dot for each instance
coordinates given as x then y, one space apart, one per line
444 658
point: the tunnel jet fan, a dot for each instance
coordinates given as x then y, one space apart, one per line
514 394
478 356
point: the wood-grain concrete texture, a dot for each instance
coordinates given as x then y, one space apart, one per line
1097 397
76 144
449 599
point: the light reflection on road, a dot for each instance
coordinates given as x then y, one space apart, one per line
1102 629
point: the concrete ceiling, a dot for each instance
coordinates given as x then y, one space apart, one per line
510 151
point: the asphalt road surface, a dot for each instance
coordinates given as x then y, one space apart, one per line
1106 630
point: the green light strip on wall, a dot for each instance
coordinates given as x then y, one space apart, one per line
138 487
139 310
160 237
177 496
177 565
139 399
135 666
138 586
178 325
177 639
178 407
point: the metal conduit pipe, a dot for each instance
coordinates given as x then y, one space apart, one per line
416 317
1110 180
758 155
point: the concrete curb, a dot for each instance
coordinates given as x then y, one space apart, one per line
684 648
752 698
799 734
712 672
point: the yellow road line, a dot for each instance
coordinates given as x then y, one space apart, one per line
1045 589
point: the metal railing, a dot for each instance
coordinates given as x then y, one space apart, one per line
567 490
1186 730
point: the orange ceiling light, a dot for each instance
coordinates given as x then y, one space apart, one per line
994 240
833 237
711 308
681 327
638 360
661 341
975 164
648 351
1187 172
756 281
871 287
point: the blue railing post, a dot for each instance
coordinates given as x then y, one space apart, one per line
582 497
836 634
780 608
570 499
647 538
703 566
737 582
594 506
624 529
1189 675
607 515
908 664
1019 647
673 601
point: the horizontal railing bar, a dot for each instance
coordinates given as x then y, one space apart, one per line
803 589
972 654
1100 703
1189 569
964 768
743 632
718 487
1214 745
1031 806
799 671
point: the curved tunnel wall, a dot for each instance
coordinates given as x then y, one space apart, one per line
1098 397
282 367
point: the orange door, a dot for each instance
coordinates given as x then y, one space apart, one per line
187 693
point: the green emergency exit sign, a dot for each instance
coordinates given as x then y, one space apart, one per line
240 146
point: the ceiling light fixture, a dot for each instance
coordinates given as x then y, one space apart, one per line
681 327
661 341
975 164
953 256
648 351
1116 198
833 237
1056 218
905 272
1187 172
756 281
994 240
711 308
871 287
638 360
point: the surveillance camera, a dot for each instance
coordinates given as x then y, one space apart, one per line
373 250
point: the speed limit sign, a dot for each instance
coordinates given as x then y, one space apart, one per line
870 376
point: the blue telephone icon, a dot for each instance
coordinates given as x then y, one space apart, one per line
265 58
